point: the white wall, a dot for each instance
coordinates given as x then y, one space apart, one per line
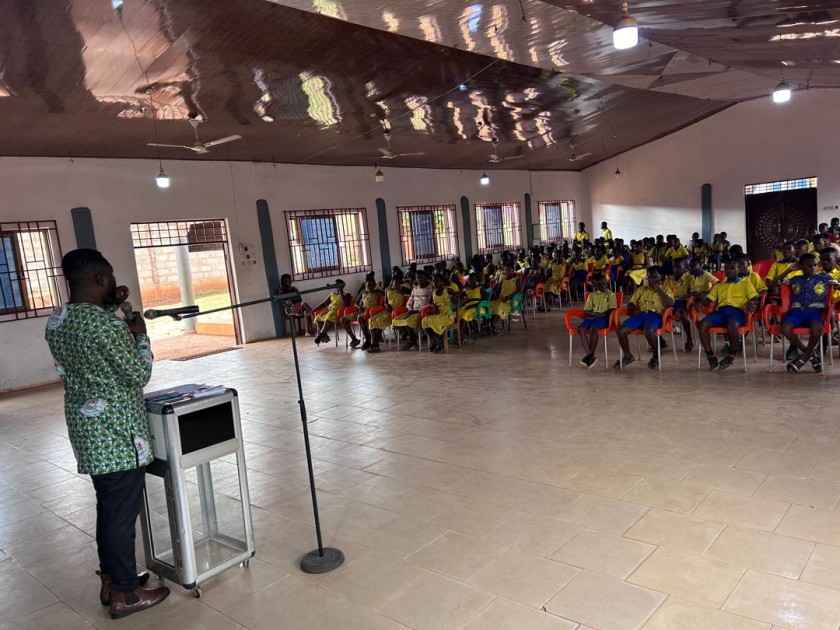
757 141
120 192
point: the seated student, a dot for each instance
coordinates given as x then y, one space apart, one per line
599 306
521 261
646 307
555 273
606 232
745 271
716 252
680 286
599 260
580 266
436 323
676 250
777 250
300 309
531 279
472 295
419 299
807 310
700 251
733 297
504 291
802 246
326 319
701 280
368 299
638 264
777 268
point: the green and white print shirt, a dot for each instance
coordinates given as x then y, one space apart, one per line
104 369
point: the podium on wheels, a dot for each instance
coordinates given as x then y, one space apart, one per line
196 519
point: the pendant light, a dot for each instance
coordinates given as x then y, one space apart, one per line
782 92
162 180
617 173
485 180
378 176
626 31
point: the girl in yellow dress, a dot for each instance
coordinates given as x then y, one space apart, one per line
473 293
368 299
510 285
328 317
436 324
556 273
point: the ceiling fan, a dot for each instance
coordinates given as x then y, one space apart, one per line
387 154
574 157
494 157
199 147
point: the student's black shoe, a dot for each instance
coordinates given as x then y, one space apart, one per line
726 362
689 346
355 344
725 350
794 366
374 349
623 363
438 350
585 361
792 354
592 361
816 363
366 345
714 364
653 363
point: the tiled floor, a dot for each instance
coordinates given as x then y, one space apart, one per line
491 488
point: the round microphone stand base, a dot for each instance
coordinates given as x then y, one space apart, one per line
314 562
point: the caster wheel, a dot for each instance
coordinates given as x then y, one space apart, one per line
245 563
197 592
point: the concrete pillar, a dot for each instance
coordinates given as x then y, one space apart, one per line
185 283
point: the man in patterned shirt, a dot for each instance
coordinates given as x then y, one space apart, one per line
104 363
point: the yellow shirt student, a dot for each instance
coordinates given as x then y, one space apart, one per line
678 288
581 236
757 282
672 253
583 265
599 264
639 260
835 275
648 300
778 255
736 294
606 234
778 267
600 302
704 283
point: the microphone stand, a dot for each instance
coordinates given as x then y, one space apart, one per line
323 559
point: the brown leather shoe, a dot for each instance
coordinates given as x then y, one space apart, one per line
125 604
105 591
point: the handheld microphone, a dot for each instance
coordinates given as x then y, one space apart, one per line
128 311
174 313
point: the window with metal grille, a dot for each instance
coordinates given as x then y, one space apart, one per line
428 233
790 184
557 221
328 242
192 233
30 270
498 227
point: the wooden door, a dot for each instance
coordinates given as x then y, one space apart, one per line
787 213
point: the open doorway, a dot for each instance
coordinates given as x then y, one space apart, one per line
184 263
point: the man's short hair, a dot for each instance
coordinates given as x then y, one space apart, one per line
82 263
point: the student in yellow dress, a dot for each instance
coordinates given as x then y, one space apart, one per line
435 324
503 293
598 307
599 260
772 279
700 251
733 298
326 319
555 273
606 233
680 287
675 250
638 264
581 235
646 307
419 299
398 289
369 298
472 295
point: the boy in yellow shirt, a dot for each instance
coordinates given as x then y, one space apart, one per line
646 307
733 298
581 235
606 233
778 267
701 280
746 272
599 305
679 286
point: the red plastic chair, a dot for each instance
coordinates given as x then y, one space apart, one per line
667 316
748 327
762 267
773 315
720 275
602 332
538 295
349 310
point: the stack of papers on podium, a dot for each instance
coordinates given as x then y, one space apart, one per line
184 392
